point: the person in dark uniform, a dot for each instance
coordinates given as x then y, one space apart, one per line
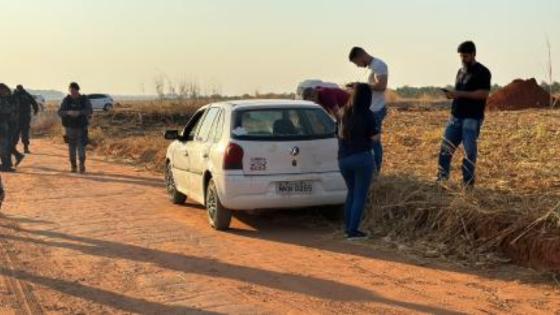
75 111
26 104
472 88
8 124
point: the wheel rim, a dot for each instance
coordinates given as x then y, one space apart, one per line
169 181
211 204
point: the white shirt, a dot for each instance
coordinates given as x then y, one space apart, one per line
378 68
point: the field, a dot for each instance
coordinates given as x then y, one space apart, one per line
512 215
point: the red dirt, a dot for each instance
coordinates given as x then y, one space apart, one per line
110 243
520 94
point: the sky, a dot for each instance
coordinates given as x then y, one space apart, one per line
243 46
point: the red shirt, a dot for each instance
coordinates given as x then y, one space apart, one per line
332 99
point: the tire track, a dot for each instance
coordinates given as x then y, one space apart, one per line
25 298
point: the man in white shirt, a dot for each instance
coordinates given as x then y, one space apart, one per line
377 80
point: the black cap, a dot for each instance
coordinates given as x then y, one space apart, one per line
75 86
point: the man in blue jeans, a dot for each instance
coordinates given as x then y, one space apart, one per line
472 88
378 80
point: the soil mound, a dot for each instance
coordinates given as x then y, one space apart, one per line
519 94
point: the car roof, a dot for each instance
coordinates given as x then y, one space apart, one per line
264 103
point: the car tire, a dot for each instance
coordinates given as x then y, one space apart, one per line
218 216
107 107
175 196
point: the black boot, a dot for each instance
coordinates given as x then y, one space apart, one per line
26 149
19 158
73 168
82 168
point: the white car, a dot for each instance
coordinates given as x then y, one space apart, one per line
101 102
255 155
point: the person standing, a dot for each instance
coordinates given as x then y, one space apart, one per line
472 87
378 80
356 128
331 99
8 120
75 110
26 104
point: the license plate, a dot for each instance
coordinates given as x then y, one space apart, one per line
288 188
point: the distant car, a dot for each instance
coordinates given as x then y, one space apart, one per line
255 155
40 101
101 102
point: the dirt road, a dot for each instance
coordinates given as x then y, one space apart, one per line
110 242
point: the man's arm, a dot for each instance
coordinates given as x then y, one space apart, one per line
33 103
62 110
473 95
378 82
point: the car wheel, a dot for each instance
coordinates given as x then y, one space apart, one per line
108 107
218 216
175 196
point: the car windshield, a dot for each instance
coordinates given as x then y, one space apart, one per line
282 124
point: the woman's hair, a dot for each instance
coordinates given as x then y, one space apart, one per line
353 114
5 89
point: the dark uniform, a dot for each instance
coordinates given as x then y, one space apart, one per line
26 104
8 121
76 127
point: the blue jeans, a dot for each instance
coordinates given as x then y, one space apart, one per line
377 146
459 130
357 171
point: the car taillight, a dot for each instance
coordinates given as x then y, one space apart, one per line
233 158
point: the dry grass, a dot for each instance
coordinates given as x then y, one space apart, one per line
515 208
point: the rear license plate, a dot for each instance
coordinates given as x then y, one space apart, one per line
288 188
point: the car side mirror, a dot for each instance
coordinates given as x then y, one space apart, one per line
171 135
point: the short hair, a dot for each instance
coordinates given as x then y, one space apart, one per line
308 93
19 87
356 52
75 86
467 47
4 87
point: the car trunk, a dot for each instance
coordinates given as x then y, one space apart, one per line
289 157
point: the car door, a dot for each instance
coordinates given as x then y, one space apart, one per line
181 154
94 100
199 153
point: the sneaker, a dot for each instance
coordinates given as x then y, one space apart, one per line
19 158
357 236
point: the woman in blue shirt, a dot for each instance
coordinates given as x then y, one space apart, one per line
356 128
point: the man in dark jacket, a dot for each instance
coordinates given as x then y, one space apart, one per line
26 103
75 111
8 121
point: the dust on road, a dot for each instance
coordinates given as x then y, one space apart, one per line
110 242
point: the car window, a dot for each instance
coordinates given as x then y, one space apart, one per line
217 128
206 125
192 125
283 124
